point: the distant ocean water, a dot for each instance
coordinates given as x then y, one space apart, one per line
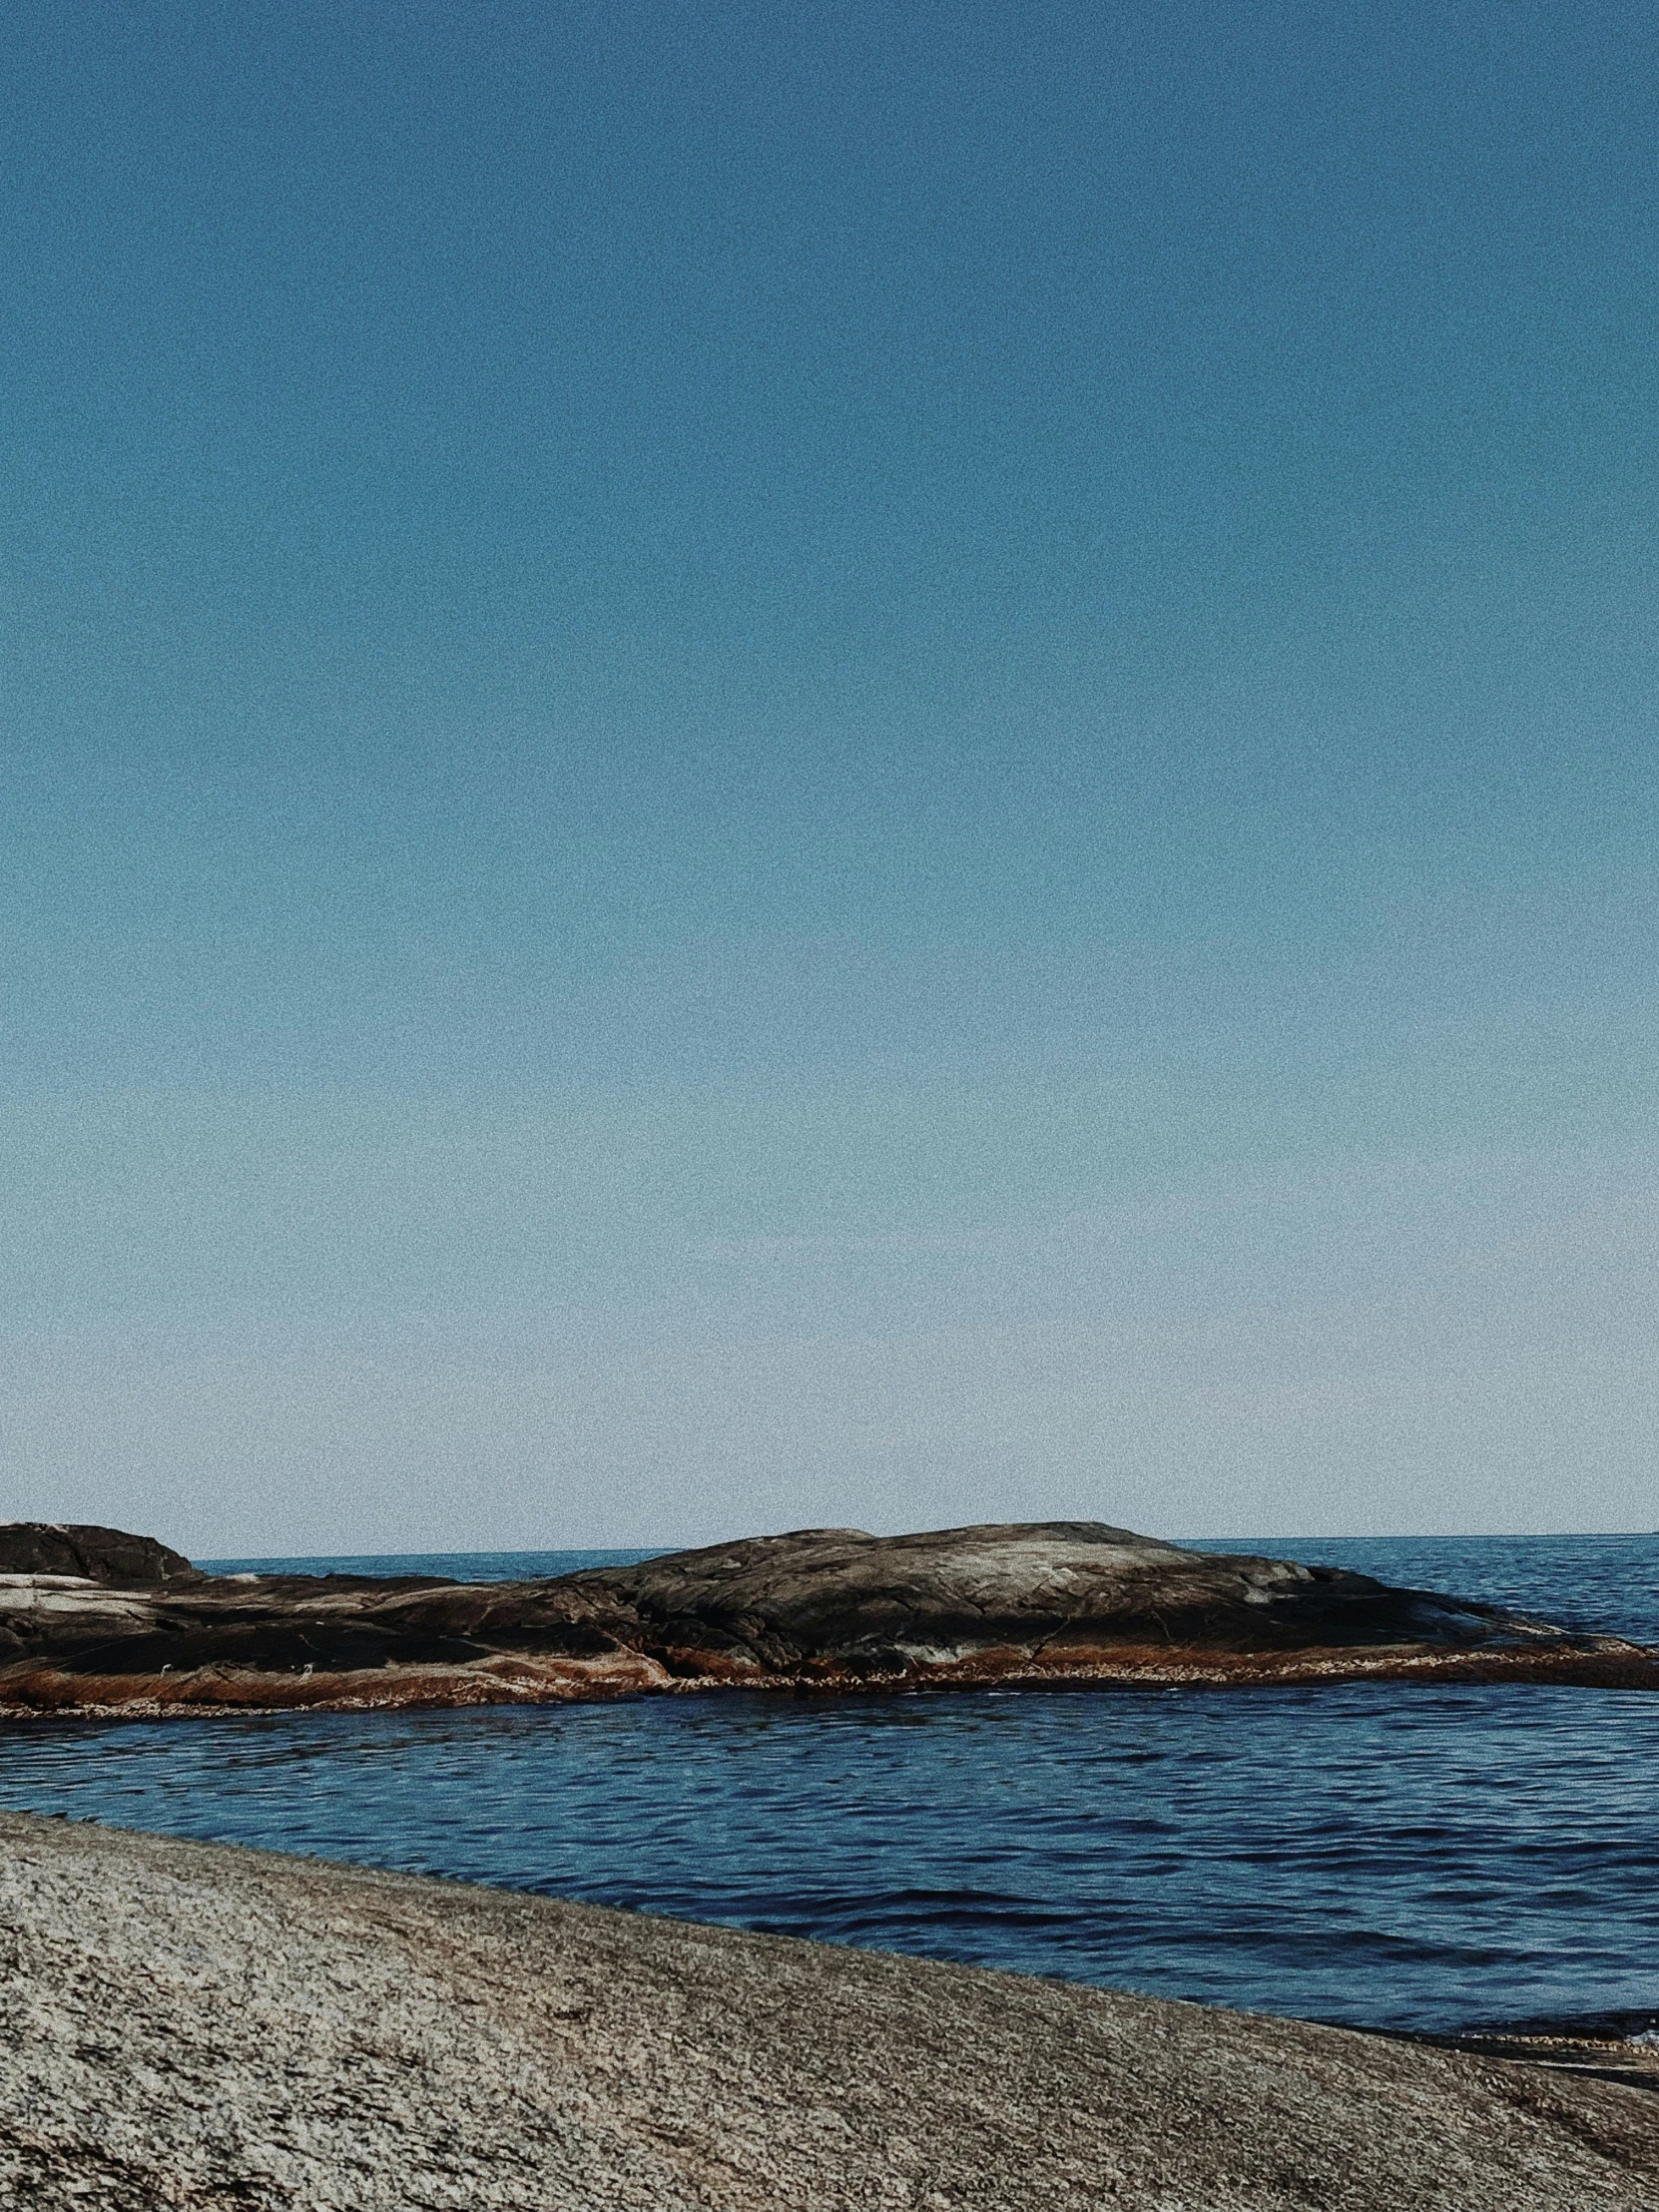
1385 1855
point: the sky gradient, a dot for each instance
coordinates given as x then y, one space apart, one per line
772 767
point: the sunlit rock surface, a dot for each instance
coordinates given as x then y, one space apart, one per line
185 2024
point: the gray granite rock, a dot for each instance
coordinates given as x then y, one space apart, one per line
188 2026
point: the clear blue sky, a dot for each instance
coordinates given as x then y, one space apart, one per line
777 765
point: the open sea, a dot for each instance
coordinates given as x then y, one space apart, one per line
1385 1855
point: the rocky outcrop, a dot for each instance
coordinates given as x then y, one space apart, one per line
1058 1593
822 1609
106 1556
185 2024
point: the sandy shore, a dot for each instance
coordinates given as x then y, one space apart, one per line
186 2024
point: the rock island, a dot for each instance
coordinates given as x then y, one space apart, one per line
101 1621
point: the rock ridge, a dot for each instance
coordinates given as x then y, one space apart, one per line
1048 1604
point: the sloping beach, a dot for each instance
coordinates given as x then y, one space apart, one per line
194 2026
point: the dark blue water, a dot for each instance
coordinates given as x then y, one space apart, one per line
1380 1854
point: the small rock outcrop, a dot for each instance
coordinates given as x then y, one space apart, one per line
106 1555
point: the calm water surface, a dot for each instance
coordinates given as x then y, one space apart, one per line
1379 1854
